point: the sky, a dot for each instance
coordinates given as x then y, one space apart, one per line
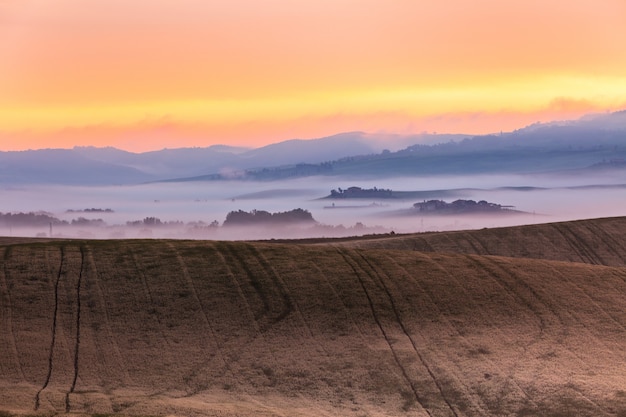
150 74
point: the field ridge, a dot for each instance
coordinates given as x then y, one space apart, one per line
365 327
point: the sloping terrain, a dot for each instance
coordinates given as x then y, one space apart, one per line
258 329
595 241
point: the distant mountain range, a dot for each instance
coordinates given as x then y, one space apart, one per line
101 166
592 142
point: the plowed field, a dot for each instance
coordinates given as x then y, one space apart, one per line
150 327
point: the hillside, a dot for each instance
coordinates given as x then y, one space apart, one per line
596 241
591 145
263 329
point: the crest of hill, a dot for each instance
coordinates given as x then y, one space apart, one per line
593 241
154 327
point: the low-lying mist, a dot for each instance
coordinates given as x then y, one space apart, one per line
197 210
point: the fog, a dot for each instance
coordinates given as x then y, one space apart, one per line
181 205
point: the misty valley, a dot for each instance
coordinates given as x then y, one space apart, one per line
351 184
199 210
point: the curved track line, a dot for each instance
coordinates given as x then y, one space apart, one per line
540 300
484 249
148 293
286 295
99 295
241 293
434 305
339 299
239 289
278 282
471 240
54 330
611 243
578 246
267 316
406 333
418 397
588 295
511 291
258 289
8 305
432 301
590 401
427 245
205 318
77 341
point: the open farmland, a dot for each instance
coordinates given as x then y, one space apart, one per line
152 327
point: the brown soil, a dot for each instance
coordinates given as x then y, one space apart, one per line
263 329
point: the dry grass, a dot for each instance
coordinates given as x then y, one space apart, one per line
597 241
135 328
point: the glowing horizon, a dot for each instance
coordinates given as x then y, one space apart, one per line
150 75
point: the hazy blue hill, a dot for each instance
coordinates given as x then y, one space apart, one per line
594 142
521 160
168 162
312 151
63 166
554 147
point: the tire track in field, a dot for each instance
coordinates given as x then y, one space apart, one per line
194 291
598 306
427 245
591 401
578 245
8 313
99 296
336 295
289 301
452 326
220 248
268 315
403 370
77 337
587 295
406 332
472 241
233 276
276 280
487 262
54 330
484 265
256 286
454 248
612 244
148 294
288 304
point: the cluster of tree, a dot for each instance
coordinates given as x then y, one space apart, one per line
458 207
611 163
91 210
153 221
43 219
156 222
261 217
295 171
358 192
29 219
81 221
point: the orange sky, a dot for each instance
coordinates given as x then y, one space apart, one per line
148 74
